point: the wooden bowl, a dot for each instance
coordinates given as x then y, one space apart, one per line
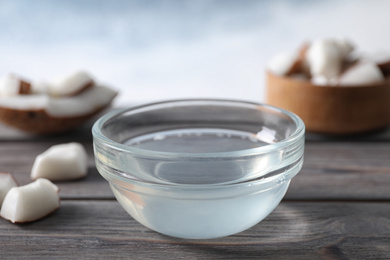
331 109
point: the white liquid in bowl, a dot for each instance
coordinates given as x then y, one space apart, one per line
202 213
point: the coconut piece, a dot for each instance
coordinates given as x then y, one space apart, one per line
42 114
288 64
344 46
61 162
282 63
362 73
300 68
323 58
30 202
379 57
39 87
7 181
303 63
70 85
82 104
11 85
385 68
326 57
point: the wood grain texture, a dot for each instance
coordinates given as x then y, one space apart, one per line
295 230
331 170
343 170
82 133
333 110
337 207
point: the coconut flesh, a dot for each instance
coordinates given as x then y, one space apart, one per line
61 162
40 198
52 107
7 182
30 202
332 62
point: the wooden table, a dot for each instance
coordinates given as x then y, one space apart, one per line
337 207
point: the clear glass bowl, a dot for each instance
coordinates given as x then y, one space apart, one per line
199 169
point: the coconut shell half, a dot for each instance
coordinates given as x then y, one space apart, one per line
39 122
54 115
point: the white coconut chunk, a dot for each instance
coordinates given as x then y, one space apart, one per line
70 84
345 47
61 162
324 59
30 202
39 87
282 63
82 104
9 86
85 102
7 181
379 57
25 102
363 73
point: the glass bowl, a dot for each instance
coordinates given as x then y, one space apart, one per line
199 169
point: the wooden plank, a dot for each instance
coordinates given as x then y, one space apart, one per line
336 170
83 133
340 170
295 230
380 135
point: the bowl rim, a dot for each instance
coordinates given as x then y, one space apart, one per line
99 136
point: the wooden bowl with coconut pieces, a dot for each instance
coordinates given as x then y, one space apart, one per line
332 89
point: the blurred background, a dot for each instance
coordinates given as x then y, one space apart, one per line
152 50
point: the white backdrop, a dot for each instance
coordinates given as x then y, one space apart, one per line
153 50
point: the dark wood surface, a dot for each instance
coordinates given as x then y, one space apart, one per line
337 207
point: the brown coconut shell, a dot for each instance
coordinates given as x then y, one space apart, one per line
331 109
39 122
300 65
385 68
24 88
